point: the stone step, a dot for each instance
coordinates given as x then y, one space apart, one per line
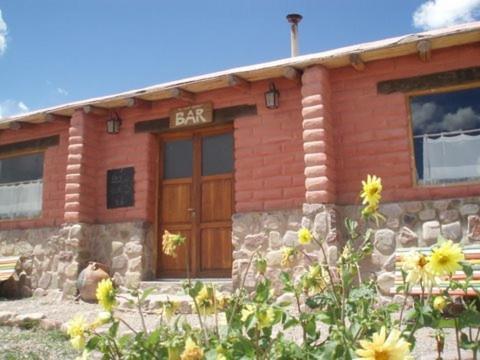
174 286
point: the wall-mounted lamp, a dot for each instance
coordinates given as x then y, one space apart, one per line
271 97
113 124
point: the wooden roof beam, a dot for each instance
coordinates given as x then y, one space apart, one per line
56 118
93 110
424 48
237 82
291 73
357 62
15 125
139 103
180 94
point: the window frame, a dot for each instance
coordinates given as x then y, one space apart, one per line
12 154
440 90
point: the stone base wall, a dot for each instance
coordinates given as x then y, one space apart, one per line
51 258
127 248
270 231
417 223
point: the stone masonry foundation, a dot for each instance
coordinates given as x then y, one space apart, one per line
51 258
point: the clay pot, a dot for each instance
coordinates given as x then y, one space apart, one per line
89 278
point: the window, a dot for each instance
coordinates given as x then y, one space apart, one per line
178 159
446 136
217 154
21 185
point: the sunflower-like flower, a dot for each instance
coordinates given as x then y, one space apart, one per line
106 294
288 256
192 351
445 259
169 308
381 347
371 190
315 279
415 265
265 317
76 329
170 242
439 303
248 310
304 236
209 300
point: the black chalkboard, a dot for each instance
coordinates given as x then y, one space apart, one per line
120 189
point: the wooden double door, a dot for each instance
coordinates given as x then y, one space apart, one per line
196 200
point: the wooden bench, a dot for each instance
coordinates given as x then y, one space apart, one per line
7 267
472 256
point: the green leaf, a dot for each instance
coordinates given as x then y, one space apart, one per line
146 293
467 268
114 329
92 343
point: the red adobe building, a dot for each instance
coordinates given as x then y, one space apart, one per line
101 179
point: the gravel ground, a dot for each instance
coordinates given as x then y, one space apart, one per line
43 344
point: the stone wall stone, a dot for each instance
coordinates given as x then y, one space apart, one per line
417 223
269 232
51 258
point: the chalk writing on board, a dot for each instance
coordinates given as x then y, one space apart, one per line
120 188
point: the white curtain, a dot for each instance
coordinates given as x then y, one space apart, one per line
21 199
451 158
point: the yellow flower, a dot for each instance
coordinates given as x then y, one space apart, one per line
78 342
106 294
192 351
315 279
103 318
170 308
445 259
439 303
304 236
415 264
288 255
76 329
208 299
170 242
248 310
382 348
265 318
371 190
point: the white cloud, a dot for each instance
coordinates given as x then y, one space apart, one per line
440 13
3 34
62 91
12 107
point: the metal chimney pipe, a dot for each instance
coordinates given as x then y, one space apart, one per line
294 19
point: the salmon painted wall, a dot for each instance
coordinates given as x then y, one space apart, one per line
268 153
55 161
372 133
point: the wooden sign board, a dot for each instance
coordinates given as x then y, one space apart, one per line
191 115
120 188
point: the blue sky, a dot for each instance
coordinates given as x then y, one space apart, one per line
57 51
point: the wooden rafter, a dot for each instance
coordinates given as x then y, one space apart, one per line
357 62
94 110
237 82
183 95
139 103
424 48
291 73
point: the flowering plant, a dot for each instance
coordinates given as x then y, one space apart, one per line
337 312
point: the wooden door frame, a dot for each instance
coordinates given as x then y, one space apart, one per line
196 134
